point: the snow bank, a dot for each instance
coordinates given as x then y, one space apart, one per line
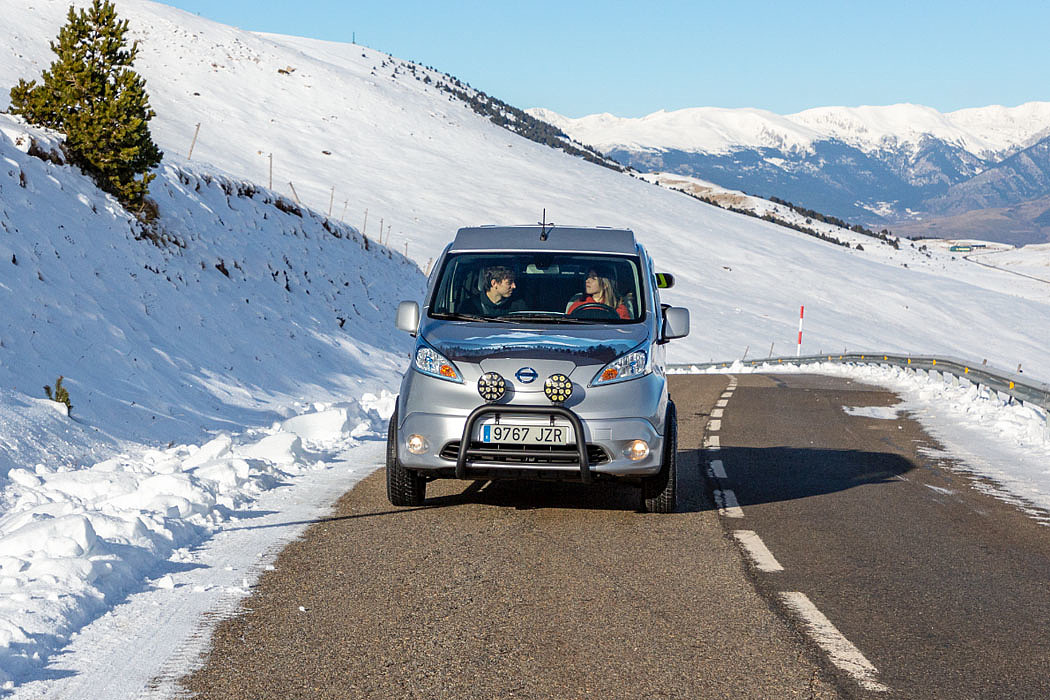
73 542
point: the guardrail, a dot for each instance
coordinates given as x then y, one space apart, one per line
1013 385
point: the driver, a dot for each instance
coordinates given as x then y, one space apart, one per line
495 300
599 289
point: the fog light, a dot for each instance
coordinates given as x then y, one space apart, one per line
417 444
636 450
491 386
558 388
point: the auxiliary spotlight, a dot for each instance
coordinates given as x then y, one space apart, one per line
492 386
558 388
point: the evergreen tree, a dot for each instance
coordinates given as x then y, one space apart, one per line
92 95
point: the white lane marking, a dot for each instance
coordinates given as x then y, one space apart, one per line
714 425
712 442
717 469
727 395
757 550
722 403
717 412
840 650
728 506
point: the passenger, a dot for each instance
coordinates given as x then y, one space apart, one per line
495 300
599 289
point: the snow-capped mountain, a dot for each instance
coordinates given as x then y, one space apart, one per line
983 132
875 165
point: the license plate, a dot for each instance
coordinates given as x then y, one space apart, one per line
527 434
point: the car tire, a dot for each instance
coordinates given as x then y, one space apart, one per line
660 492
404 487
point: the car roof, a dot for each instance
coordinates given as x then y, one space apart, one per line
595 239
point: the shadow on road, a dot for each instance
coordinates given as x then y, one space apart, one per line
773 474
757 475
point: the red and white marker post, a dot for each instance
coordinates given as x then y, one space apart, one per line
798 351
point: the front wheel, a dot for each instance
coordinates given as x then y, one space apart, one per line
404 487
660 492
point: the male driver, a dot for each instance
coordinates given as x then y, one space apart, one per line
495 300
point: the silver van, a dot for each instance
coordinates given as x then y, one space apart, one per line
539 355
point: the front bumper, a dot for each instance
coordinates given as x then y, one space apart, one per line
455 452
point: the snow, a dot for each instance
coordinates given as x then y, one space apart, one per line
876 412
228 385
982 131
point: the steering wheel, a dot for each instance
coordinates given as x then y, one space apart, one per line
594 309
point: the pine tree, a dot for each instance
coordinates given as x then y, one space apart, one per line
92 95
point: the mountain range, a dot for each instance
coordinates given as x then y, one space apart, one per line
921 172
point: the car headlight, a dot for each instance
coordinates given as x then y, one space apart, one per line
633 365
431 362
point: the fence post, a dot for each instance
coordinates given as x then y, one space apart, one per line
798 351
194 141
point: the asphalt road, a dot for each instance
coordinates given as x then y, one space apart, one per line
814 554
942 588
516 590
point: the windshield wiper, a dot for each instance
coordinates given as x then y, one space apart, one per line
468 317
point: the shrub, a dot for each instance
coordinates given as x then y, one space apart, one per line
91 94
60 395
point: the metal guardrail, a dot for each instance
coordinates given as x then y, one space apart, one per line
1013 385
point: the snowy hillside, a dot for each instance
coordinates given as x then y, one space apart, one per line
338 115
257 344
254 300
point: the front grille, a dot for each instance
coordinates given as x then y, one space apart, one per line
513 454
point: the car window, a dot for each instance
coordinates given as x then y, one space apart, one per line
545 287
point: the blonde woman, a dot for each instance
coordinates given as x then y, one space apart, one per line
599 289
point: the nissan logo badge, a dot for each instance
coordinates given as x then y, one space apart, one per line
526 375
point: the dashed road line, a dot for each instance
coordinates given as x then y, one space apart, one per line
757 550
728 506
839 649
718 470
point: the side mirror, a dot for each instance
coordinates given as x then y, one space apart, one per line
408 317
676 323
664 280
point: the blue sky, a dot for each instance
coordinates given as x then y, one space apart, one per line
634 58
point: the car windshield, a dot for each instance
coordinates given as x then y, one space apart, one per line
539 287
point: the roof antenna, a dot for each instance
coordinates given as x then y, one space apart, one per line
544 231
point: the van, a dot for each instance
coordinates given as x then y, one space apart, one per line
539 354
